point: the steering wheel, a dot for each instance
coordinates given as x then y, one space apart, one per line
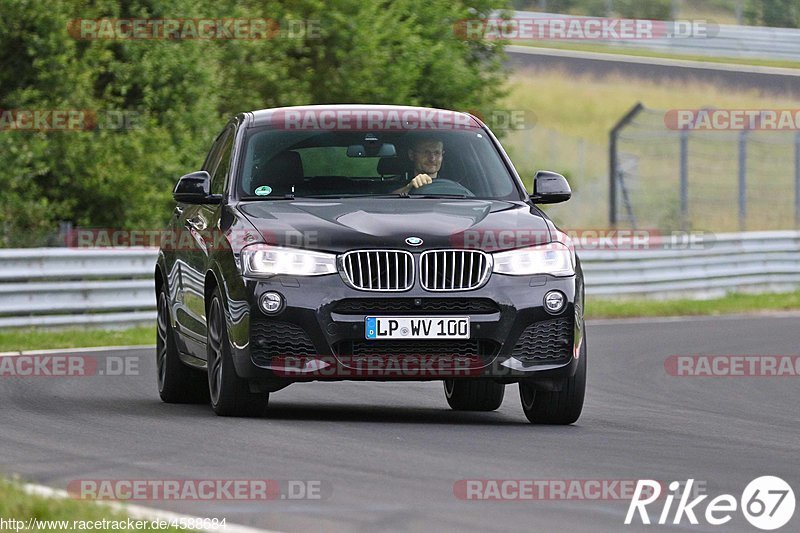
442 186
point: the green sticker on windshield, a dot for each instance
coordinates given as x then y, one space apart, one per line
264 190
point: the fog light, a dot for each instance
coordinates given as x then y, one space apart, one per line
554 301
271 303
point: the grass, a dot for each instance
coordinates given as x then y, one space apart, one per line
643 52
719 11
574 115
588 107
729 304
39 339
16 504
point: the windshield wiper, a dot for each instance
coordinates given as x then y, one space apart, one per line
292 196
268 198
440 196
393 195
390 195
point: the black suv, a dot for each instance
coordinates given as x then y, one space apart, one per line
368 243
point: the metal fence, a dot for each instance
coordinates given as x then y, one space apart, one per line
582 161
707 267
721 180
725 40
113 287
69 287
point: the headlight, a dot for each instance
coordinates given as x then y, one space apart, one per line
554 258
266 260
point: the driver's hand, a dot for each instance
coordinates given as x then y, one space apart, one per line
420 180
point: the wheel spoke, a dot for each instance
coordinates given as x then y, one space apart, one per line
162 365
161 344
214 328
215 351
161 320
216 376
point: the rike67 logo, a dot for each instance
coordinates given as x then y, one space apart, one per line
767 503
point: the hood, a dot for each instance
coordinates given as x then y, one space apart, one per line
356 223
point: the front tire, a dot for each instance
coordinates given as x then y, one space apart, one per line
230 395
557 407
474 394
177 383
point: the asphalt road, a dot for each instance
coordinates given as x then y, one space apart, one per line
767 80
388 454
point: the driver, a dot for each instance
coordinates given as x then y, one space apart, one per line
427 154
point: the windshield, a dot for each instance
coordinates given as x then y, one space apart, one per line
454 163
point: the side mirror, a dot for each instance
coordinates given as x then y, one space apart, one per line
550 188
195 188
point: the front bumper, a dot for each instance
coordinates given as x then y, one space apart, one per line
320 334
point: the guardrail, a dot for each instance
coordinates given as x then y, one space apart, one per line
730 41
114 287
76 287
758 261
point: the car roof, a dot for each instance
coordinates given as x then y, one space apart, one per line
264 117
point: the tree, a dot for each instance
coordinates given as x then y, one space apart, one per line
106 176
775 13
178 94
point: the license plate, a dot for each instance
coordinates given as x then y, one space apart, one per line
415 327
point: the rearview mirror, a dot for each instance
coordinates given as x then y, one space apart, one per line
195 188
372 150
550 188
